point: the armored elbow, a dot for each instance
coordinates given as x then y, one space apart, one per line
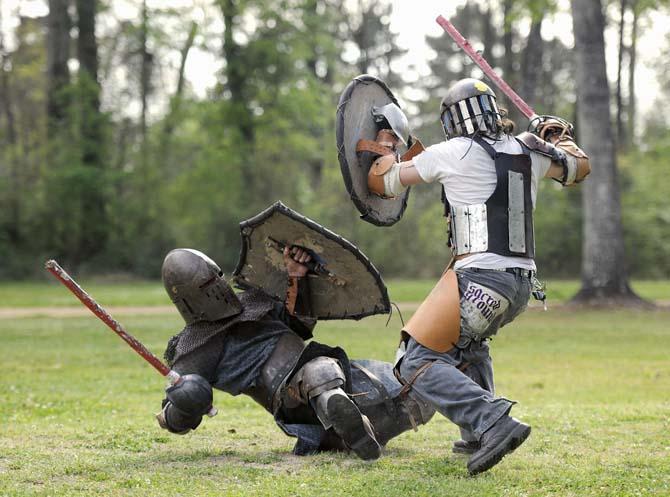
577 163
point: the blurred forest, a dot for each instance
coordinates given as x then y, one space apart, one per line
109 158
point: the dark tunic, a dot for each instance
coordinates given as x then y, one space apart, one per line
230 353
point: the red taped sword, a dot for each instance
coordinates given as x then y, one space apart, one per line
62 276
520 104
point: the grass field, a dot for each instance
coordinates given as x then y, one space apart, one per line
76 414
148 293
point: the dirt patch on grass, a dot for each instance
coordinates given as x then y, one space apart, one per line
279 463
68 312
157 310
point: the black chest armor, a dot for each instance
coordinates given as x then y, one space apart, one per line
504 223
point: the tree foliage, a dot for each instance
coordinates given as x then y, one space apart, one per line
110 158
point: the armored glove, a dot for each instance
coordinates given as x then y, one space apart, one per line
560 133
185 404
553 129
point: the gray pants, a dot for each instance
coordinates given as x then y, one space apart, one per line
459 383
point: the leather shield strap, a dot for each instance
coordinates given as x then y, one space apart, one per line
372 146
416 148
436 324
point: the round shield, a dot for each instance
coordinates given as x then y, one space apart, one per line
355 122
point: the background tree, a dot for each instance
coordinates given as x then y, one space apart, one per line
604 272
128 138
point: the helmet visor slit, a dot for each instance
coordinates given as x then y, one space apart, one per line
467 117
472 110
448 123
458 120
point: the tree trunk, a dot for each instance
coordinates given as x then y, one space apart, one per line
145 78
632 59
175 101
236 84
620 139
13 227
489 35
508 61
532 62
509 75
235 70
144 73
604 278
93 230
58 73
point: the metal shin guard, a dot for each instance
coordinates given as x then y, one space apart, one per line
317 376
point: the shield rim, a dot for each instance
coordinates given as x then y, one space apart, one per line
362 207
279 206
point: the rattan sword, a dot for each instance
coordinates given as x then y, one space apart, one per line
173 377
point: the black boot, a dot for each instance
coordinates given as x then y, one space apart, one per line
465 447
496 442
352 426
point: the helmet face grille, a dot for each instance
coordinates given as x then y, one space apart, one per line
470 115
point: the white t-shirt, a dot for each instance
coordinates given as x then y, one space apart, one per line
468 175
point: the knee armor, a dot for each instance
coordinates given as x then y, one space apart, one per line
317 376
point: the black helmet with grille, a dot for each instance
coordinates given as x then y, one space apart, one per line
470 107
197 287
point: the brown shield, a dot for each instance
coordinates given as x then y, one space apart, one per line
345 285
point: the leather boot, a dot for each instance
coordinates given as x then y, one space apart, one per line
465 447
496 442
352 426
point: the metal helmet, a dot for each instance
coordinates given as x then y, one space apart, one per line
469 107
390 116
197 287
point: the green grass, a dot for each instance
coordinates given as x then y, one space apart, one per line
54 294
557 290
76 417
149 293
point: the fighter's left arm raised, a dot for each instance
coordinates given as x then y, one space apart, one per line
390 176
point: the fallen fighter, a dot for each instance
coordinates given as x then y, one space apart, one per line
252 344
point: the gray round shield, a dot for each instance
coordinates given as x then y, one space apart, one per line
355 122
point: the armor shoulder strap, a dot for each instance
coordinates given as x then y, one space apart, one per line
486 146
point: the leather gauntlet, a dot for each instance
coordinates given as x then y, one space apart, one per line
376 174
560 133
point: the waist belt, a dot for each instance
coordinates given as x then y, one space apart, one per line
518 271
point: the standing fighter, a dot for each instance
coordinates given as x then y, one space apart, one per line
489 179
